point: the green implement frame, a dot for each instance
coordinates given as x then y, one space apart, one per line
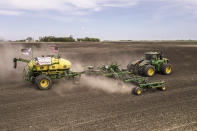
113 71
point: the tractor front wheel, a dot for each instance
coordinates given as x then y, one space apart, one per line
166 69
149 70
43 82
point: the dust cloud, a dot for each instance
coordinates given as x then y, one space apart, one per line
63 87
77 67
7 71
99 83
106 84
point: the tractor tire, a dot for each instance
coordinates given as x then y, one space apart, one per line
149 70
135 69
130 67
137 91
43 82
141 70
163 88
166 69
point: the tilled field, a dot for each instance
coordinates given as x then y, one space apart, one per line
68 107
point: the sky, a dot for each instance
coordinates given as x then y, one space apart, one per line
104 19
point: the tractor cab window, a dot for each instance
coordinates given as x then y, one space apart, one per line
151 56
154 57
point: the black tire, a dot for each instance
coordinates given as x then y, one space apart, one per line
43 82
141 70
135 69
149 70
137 91
130 67
166 69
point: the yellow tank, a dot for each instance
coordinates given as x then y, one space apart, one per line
49 64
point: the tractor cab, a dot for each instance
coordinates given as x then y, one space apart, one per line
153 56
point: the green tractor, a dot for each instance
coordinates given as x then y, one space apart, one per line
152 63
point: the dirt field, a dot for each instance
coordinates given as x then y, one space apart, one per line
64 107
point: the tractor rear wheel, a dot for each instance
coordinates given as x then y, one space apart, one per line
149 70
166 69
141 70
130 67
137 91
43 82
136 69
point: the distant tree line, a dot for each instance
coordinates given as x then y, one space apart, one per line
88 39
59 39
66 39
56 39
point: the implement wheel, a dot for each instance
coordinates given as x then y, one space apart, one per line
149 70
137 91
43 82
163 88
166 69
